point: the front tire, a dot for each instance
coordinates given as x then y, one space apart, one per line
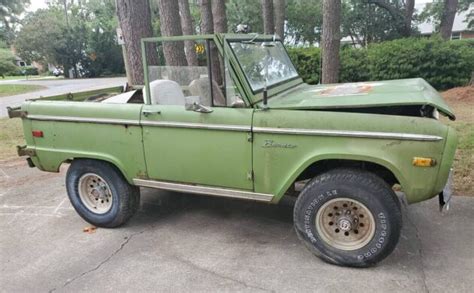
100 194
348 217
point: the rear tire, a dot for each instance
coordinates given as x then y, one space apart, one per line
100 194
348 217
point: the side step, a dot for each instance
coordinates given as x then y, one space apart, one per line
204 190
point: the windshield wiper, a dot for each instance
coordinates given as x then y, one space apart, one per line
252 41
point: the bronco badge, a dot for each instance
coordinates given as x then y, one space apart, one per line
272 144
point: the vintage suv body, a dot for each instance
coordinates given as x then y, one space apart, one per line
240 123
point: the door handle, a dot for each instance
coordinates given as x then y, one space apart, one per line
147 113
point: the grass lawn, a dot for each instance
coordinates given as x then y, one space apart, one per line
462 102
11 135
16 89
460 99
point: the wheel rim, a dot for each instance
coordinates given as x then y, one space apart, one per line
95 193
345 223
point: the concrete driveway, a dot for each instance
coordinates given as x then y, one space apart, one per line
56 87
181 243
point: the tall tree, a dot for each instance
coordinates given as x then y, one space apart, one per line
409 9
207 27
244 12
398 15
10 10
207 21
219 16
135 21
268 22
170 25
331 40
304 21
188 29
447 18
280 9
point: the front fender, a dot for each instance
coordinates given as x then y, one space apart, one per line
337 156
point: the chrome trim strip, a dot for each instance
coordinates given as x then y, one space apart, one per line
83 119
172 124
243 128
204 190
348 133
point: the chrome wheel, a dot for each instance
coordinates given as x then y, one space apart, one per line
95 193
345 224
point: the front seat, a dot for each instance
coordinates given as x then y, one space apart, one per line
166 92
201 87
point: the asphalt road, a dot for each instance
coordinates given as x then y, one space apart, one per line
56 87
181 243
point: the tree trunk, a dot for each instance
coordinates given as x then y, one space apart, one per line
447 19
207 27
219 16
409 9
188 29
267 11
135 21
207 22
331 40
280 7
170 25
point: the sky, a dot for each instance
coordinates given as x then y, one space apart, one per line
36 4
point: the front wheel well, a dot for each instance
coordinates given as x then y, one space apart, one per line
323 166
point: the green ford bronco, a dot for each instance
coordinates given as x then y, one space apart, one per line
232 118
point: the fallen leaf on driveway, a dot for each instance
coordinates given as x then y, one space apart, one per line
89 230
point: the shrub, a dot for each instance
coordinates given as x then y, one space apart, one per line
443 64
7 60
27 70
307 62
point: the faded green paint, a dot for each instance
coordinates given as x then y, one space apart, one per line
62 141
363 94
198 155
228 157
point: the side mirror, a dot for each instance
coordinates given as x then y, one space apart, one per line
193 103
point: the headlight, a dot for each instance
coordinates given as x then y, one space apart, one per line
435 114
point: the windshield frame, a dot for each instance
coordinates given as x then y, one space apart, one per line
274 88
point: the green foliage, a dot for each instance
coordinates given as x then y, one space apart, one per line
354 63
305 20
10 10
442 64
366 22
25 70
307 62
103 54
433 12
85 41
244 12
7 64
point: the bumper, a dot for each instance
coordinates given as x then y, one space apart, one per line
445 195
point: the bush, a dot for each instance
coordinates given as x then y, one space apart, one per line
26 70
307 62
443 64
7 60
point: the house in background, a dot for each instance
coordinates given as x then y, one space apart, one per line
460 27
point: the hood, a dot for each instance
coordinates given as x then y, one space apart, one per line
402 92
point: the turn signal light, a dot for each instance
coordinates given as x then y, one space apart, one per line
37 133
423 162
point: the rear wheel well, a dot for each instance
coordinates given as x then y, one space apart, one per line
323 166
70 160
